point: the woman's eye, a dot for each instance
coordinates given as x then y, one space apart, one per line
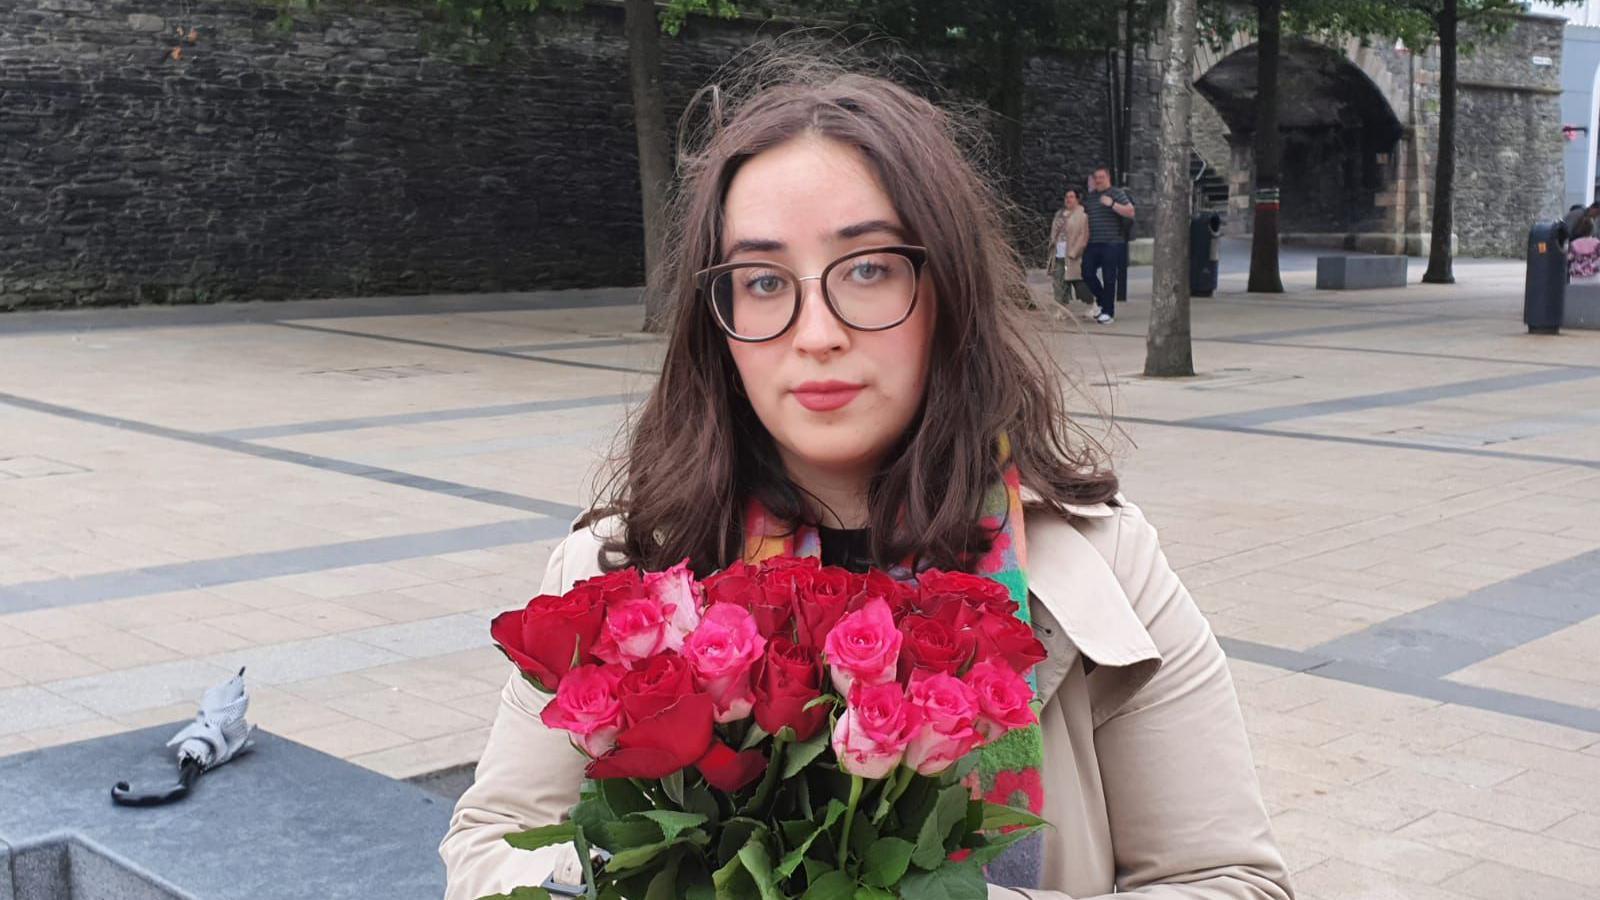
764 283
867 270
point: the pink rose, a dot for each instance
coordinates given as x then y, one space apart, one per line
721 652
587 706
863 647
1004 699
949 712
680 598
870 738
635 630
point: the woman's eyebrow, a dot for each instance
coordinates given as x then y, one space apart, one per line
768 245
871 226
755 245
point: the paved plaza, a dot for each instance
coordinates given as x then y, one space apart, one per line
1388 503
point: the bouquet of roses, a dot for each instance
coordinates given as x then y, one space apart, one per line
784 730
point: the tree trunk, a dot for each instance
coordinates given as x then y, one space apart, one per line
655 156
1008 103
1113 116
1264 274
1440 263
1168 350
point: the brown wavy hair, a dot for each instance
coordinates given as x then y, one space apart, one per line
697 453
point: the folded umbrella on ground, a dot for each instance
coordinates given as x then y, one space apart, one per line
218 733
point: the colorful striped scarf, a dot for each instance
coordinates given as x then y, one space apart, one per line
1009 770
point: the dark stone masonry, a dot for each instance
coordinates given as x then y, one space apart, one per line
339 158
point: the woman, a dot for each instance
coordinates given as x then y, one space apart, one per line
1069 234
847 370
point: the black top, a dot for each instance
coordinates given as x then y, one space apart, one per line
849 548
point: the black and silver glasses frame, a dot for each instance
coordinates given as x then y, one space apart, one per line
704 279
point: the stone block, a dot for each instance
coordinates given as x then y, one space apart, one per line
1141 252
1583 307
281 822
1353 273
146 22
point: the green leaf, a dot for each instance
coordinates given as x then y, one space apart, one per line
521 893
758 862
793 858
672 822
819 700
664 886
619 836
950 882
623 796
534 838
982 856
736 832
633 857
800 755
832 885
874 893
997 816
886 861
673 785
754 736
699 799
950 809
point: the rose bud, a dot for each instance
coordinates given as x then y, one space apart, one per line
655 685
1004 699
786 681
863 647
870 738
722 652
949 712
587 707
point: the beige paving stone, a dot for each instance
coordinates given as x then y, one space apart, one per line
1501 678
412 716
15 743
1582 828
193 638
348 738
39 663
331 686
432 755
118 649
1496 805
263 627
53 624
1517 727
13 637
1379 749
330 617
1532 756
427 680
171 713
1336 879
76 731
1495 881
1316 762
1485 840
1386 852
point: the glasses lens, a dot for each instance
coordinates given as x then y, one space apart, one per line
874 290
754 301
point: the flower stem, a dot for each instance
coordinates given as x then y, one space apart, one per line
856 783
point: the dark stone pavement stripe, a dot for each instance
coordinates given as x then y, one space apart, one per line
324 426
1406 397
480 351
1453 634
1374 351
205 573
105 319
1264 336
589 344
1488 699
327 464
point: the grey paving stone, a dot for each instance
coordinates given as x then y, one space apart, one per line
282 822
427 637
28 707
301 660
143 687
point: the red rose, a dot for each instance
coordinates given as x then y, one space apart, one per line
787 680
974 592
820 600
1010 639
655 686
550 636
874 584
664 743
934 646
740 585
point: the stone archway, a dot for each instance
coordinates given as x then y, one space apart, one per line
1348 156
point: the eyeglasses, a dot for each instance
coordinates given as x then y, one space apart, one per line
872 289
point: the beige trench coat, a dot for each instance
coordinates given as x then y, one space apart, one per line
1073 228
1148 776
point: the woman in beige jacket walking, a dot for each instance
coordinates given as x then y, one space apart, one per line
1069 234
847 354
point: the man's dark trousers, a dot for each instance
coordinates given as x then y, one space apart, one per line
1102 261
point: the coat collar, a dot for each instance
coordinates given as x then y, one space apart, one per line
1085 611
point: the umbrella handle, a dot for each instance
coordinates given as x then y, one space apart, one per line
123 794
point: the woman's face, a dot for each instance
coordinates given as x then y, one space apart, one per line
1071 200
833 398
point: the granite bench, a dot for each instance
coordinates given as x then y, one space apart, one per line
1582 309
282 822
1354 273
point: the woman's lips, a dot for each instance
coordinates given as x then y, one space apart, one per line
825 396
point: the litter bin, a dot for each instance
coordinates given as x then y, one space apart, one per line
1545 294
1205 253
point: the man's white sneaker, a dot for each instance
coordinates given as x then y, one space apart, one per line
1104 319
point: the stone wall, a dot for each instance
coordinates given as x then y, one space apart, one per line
340 158
1510 170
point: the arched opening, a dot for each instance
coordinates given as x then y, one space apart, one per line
1340 135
